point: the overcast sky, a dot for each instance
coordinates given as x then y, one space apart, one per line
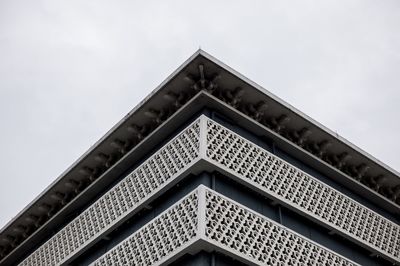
70 70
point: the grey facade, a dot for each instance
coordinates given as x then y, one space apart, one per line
210 169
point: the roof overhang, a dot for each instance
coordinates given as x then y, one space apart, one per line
204 81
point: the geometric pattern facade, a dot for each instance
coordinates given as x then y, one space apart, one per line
303 192
259 239
202 84
154 242
253 238
228 225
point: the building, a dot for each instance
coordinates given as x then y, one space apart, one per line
211 169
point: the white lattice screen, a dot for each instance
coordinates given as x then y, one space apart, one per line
301 191
155 241
220 222
224 150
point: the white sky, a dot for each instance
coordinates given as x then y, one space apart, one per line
70 70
